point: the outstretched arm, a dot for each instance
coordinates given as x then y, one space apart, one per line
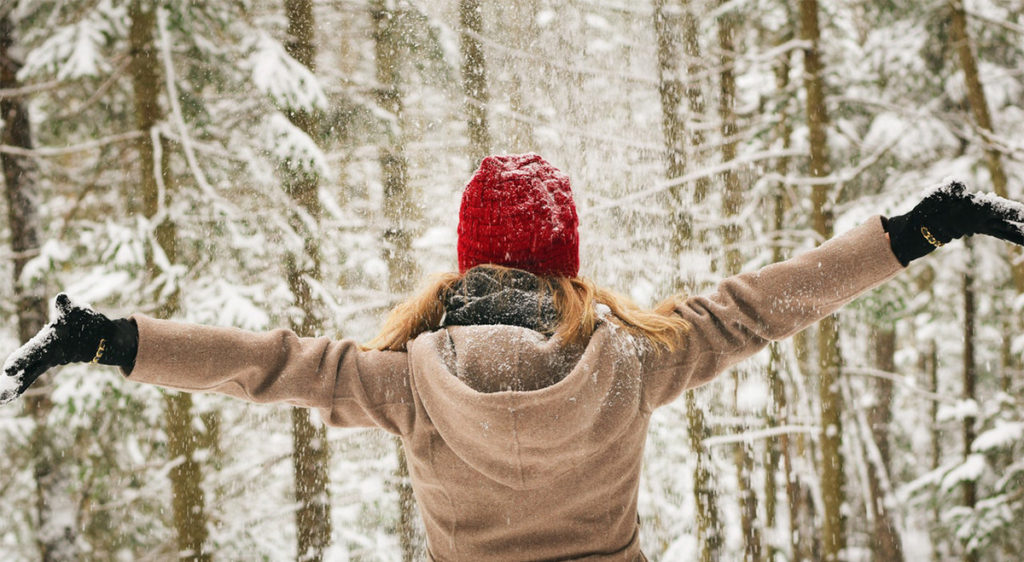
349 386
747 311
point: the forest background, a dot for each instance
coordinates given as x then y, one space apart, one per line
299 163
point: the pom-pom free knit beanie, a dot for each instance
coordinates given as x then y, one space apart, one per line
517 211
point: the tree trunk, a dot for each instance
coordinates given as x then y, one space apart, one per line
709 523
970 377
829 359
667 25
936 442
982 118
886 545
779 411
56 513
520 19
732 200
398 209
693 90
310 456
188 501
474 79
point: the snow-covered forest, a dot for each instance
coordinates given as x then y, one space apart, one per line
299 163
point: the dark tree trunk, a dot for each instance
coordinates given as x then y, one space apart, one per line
982 118
970 378
55 538
310 456
188 501
886 545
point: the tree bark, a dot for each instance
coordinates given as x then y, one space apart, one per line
970 377
983 119
886 545
829 358
520 21
56 534
779 411
188 501
474 78
668 23
709 523
732 200
936 441
694 90
310 456
398 209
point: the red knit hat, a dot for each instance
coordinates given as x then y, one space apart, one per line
517 211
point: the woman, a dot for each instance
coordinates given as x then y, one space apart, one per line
521 392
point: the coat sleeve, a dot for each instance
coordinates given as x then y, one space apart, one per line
349 386
747 311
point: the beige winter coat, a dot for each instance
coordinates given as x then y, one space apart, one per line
549 474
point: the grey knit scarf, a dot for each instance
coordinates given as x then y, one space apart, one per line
489 296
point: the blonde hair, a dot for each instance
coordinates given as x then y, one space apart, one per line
575 301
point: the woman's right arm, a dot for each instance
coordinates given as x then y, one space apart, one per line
351 387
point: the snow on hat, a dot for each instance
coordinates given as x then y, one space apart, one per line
517 211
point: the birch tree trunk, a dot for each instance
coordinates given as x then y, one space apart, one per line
56 513
832 463
474 79
398 209
310 456
188 501
668 23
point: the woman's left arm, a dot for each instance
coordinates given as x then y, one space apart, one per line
747 311
744 312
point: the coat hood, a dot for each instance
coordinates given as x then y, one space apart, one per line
572 408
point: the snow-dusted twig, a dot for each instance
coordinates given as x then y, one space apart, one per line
613 139
902 381
551 63
179 119
50 151
840 179
871 451
110 81
620 7
1001 23
759 434
31 89
697 174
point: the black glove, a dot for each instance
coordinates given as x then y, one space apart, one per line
77 335
949 212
